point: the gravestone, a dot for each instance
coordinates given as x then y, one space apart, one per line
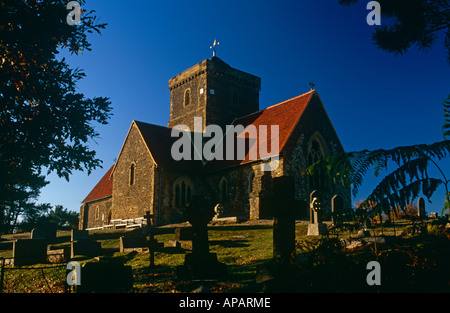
200 264
58 254
316 227
133 243
76 235
45 231
283 219
421 208
337 208
183 233
86 247
105 276
29 251
278 274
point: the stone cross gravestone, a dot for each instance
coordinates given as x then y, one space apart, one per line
279 271
283 219
29 251
152 244
316 227
200 264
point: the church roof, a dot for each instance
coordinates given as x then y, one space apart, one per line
159 141
103 189
285 114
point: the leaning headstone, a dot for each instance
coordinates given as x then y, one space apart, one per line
134 243
106 276
316 227
200 264
76 235
86 247
421 208
29 252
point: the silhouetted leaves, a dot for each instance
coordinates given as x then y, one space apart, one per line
45 122
411 22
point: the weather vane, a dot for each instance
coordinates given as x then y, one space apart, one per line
213 47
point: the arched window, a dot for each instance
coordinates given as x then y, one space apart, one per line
97 213
183 189
316 153
187 97
132 174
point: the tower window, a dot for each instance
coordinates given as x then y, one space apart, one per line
187 97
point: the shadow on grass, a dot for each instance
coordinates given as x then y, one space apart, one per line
230 243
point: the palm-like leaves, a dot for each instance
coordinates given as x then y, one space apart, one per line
397 188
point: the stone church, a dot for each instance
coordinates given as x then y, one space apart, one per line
147 178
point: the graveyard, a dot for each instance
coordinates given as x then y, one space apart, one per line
413 256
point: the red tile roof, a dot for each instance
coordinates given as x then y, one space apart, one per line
103 188
159 141
285 114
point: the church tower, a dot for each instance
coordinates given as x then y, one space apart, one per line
214 91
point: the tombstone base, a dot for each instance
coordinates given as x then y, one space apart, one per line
277 276
204 266
317 229
105 276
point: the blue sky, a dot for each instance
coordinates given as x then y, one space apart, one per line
374 99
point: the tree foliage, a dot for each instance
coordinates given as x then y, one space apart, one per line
412 23
398 187
45 122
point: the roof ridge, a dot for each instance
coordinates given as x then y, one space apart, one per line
275 105
140 122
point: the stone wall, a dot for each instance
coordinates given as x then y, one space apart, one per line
132 200
95 213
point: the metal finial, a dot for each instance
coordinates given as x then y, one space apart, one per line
312 85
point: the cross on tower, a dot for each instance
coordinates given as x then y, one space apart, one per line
213 47
312 85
